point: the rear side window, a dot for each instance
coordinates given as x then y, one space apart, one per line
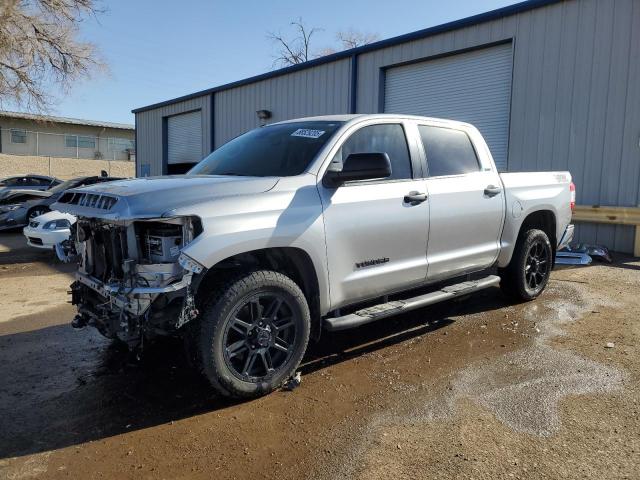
385 138
449 151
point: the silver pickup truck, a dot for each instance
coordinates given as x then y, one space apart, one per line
317 223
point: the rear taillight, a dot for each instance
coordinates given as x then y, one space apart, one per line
572 189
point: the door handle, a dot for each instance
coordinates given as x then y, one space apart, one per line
414 198
492 190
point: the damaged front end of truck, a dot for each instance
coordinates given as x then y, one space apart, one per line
133 280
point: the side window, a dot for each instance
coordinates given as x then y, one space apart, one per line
449 151
385 138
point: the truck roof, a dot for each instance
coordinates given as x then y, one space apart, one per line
360 116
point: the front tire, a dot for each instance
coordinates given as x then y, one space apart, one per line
253 334
527 275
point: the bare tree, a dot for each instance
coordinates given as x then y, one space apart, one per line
297 49
40 49
352 38
294 50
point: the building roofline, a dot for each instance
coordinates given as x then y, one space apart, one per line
407 37
67 120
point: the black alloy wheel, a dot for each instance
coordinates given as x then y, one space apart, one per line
537 265
260 338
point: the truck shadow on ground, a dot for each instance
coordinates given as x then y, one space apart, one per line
62 387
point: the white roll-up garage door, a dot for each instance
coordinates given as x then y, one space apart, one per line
473 87
184 138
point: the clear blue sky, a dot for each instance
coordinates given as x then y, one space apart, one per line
159 50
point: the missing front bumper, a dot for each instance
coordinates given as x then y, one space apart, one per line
135 300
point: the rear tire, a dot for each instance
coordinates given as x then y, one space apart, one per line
252 334
527 275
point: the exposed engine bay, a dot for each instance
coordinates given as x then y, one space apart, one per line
133 282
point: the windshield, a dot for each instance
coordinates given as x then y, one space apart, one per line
280 150
61 187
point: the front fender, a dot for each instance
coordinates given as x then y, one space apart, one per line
289 216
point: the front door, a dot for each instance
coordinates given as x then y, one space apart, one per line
376 238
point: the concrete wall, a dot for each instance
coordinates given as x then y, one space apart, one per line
50 139
63 168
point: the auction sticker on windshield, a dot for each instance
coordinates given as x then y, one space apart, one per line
307 133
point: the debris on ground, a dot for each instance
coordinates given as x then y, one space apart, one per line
610 345
566 257
293 383
582 254
597 252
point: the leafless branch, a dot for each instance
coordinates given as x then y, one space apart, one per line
292 51
299 48
352 38
40 49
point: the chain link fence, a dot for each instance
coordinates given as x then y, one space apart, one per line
16 141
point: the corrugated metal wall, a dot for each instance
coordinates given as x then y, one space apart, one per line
473 87
318 90
149 132
575 98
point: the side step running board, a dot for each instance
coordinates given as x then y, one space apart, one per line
383 310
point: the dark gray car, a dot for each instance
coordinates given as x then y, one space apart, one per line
18 207
28 182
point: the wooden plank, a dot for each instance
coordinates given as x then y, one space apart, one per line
608 215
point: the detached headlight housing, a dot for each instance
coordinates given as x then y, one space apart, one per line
59 224
10 208
190 264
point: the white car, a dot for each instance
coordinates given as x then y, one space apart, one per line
49 229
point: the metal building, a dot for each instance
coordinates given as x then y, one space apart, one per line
552 84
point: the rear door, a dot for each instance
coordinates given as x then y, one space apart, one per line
466 203
376 240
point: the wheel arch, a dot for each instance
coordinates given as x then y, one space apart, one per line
46 208
291 261
544 220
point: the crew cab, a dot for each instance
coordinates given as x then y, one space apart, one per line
322 223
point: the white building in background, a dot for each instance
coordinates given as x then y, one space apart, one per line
41 135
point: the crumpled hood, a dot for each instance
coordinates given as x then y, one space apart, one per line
151 197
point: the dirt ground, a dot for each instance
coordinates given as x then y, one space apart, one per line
480 388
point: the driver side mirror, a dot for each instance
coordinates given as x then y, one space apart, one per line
360 166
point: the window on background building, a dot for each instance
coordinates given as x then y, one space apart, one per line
87 142
18 135
120 144
79 141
